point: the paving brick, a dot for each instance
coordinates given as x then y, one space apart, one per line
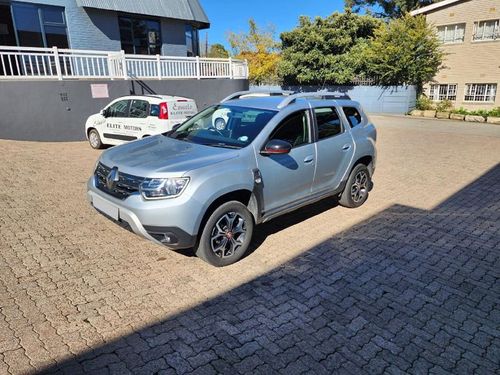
407 283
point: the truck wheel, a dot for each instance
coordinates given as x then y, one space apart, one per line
356 190
95 140
226 235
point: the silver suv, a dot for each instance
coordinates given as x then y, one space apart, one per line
253 157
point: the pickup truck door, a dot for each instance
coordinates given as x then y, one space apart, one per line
287 178
335 149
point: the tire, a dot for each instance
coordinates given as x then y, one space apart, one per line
357 188
224 240
95 139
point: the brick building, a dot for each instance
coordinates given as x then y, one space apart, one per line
470 34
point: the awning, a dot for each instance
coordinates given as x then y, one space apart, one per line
189 10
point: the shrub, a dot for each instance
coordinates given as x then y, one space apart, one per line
424 103
460 111
495 112
479 112
444 106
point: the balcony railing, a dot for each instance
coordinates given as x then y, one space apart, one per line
28 63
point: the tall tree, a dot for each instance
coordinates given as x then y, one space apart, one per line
325 50
404 51
259 47
387 8
217 50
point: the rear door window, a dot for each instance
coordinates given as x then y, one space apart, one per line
353 116
328 122
139 109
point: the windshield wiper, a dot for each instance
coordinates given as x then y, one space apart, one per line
222 145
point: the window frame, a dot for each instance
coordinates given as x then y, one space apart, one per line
131 18
488 90
436 97
39 8
446 26
496 30
316 126
310 128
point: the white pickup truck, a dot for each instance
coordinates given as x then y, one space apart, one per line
134 117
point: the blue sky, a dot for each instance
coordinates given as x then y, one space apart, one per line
233 15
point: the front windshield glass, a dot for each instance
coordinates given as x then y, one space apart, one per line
224 126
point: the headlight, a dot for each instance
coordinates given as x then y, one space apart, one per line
159 188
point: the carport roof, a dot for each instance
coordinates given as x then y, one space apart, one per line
189 10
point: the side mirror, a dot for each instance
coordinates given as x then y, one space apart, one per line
175 127
276 147
104 112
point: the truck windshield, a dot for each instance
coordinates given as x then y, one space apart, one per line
224 126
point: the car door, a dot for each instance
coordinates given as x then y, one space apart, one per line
136 123
116 115
287 178
335 149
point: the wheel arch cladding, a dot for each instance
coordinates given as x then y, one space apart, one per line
366 160
243 196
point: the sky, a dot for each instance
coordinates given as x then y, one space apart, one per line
233 15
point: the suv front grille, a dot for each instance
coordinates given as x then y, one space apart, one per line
124 187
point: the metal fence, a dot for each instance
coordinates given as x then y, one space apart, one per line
374 99
53 63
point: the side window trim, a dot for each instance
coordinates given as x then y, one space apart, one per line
310 125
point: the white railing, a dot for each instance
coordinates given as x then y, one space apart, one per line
53 63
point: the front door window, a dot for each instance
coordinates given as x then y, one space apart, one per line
118 109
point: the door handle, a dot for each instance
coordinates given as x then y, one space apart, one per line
346 147
308 159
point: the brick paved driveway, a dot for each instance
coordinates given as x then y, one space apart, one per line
409 283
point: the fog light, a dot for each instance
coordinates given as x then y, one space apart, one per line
169 239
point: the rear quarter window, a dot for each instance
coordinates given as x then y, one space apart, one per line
353 116
154 110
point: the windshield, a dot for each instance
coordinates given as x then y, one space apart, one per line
224 126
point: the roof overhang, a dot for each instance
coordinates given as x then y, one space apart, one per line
187 10
434 6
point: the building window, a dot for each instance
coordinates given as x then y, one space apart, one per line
480 92
451 33
192 42
140 36
40 25
486 30
443 92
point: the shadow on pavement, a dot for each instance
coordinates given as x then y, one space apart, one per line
408 290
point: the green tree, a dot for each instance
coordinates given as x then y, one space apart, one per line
387 8
217 51
404 51
326 50
259 47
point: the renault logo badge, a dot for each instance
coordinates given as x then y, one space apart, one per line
112 178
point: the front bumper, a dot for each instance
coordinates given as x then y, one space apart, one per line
152 220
